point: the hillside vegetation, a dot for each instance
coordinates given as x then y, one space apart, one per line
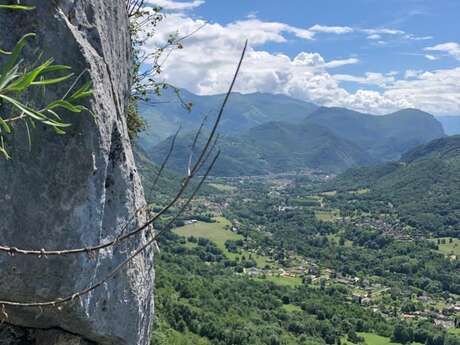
327 139
274 147
163 115
422 186
383 137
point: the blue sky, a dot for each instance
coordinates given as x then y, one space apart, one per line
438 19
369 55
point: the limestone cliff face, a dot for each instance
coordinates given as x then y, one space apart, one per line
78 189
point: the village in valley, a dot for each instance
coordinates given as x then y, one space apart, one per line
292 269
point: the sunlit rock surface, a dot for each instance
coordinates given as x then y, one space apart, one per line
78 189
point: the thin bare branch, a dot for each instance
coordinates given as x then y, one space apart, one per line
134 6
221 111
113 273
165 161
195 140
211 150
145 227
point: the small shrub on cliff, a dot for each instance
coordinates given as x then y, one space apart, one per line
19 78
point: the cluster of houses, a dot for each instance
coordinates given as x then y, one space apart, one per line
364 291
385 224
304 269
439 318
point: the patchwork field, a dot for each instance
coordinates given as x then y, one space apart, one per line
327 215
360 191
217 232
336 239
449 246
374 339
222 187
330 193
285 281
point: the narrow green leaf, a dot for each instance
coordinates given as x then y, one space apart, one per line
52 112
2 148
24 82
53 80
56 68
18 7
56 124
66 105
4 153
9 77
23 108
58 131
5 126
82 92
13 58
29 139
36 115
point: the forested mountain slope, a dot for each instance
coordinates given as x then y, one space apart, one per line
263 134
422 186
164 114
273 147
384 137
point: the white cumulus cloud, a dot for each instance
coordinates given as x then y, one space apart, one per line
370 78
430 57
374 37
450 48
208 60
331 29
175 5
410 73
383 31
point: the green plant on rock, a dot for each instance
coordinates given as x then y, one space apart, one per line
18 79
148 65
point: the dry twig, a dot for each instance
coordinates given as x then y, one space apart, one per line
191 174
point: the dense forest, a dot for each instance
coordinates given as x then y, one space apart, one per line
217 291
421 187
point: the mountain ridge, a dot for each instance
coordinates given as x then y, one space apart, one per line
386 136
264 133
257 152
166 113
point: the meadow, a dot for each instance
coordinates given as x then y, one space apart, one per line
218 232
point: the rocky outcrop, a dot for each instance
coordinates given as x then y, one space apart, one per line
78 189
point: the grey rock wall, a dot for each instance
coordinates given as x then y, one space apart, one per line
14 335
78 189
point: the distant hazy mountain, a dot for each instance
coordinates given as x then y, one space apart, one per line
265 133
451 124
166 113
273 147
383 137
292 146
422 186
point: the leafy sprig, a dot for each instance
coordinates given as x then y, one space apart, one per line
17 78
18 7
